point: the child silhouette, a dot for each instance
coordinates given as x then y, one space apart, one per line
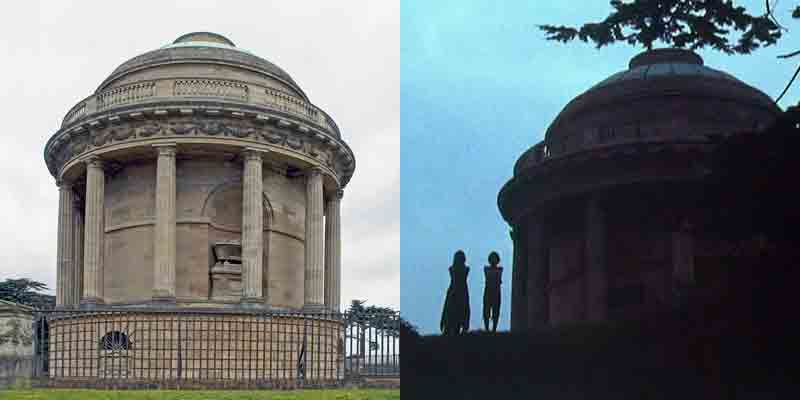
491 294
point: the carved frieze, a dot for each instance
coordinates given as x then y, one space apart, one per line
273 137
329 153
148 129
183 129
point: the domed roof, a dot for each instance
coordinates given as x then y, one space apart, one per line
201 47
654 81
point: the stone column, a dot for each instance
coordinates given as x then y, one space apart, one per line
538 276
519 281
333 251
164 237
77 253
683 256
314 251
252 229
64 256
596 275
94 232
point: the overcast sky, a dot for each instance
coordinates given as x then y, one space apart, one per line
479 86
345 56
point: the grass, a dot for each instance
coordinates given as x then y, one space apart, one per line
84 394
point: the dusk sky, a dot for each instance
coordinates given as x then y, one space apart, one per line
478 86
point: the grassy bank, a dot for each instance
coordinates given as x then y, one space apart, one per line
69 394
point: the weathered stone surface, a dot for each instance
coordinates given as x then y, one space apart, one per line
16 342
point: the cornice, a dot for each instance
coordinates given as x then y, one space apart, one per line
199 121
565 170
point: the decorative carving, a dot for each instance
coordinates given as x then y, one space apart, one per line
226 274
212 128
329 153
100 138
294 142
184 129
149 129
210 87
122 134
273 137
237 131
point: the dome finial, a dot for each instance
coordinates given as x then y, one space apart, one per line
667 55
204 37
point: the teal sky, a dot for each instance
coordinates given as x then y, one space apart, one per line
478 86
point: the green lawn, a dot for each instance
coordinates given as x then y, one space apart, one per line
79 394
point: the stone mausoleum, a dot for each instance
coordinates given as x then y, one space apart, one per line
197 176
602 209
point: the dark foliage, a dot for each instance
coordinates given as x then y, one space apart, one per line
693 24
26 291
752 191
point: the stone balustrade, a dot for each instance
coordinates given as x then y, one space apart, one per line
159 90
605 137
125 94
210 88
75 113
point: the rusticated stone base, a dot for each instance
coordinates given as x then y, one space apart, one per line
141 348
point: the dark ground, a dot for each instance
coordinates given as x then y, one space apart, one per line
740 346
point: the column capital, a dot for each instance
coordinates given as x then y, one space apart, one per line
94 161
313 171
64 184
252 154
166 149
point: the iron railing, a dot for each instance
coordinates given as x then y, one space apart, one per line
207 346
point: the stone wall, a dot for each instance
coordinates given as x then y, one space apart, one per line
209 210
16 342
160 346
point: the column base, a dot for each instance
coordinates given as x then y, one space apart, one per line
163 301
91 303
333 310
253 303
314 308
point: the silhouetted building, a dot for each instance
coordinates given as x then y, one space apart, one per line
603 209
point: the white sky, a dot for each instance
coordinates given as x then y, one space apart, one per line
344 54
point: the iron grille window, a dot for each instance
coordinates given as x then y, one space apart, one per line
115 340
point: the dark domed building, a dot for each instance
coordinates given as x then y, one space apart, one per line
603 209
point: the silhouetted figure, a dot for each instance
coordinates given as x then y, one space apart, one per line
455 315
491 294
